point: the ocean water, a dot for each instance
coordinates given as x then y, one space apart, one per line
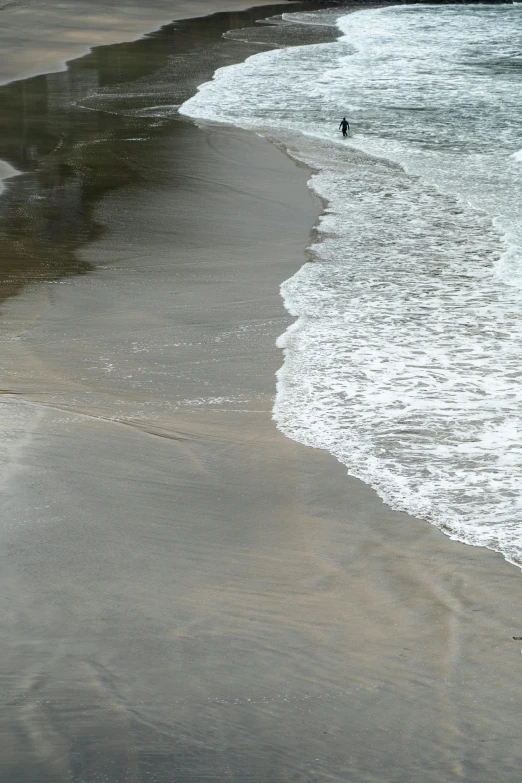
405 357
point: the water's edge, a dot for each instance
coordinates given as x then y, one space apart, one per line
298 433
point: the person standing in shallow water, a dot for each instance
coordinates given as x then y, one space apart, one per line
345 125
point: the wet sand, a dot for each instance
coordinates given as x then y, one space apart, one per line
40 36
187 594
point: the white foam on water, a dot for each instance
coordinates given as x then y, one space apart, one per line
404 360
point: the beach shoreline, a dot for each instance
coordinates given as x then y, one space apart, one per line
187 593
37 53
34 49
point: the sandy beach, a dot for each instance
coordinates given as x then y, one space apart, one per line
40 37
187 595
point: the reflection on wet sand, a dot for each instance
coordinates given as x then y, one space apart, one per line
66 132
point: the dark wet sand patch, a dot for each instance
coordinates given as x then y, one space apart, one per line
68 134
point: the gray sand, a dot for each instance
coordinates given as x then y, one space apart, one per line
188 595
39 36
186 589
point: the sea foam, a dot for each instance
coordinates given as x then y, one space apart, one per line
404 360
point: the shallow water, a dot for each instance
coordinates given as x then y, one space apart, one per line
404 359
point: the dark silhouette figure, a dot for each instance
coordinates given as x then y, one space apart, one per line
345 125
